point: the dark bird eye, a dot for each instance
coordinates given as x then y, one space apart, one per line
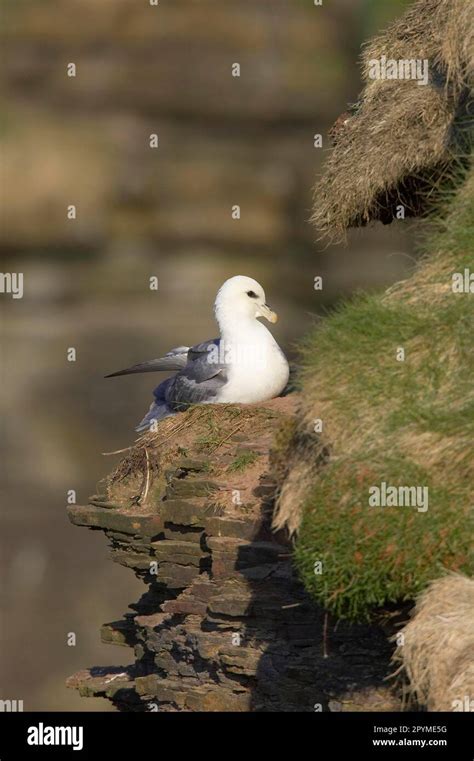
252 294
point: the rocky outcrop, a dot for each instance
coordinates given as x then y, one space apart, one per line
225 624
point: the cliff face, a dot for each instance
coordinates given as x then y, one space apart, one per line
225 624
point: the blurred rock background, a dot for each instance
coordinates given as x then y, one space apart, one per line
144 212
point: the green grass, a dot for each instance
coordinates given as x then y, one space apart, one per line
242 461
408 423
375 555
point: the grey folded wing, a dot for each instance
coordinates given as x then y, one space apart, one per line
201 380
200 377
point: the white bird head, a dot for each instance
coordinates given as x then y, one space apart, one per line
242 297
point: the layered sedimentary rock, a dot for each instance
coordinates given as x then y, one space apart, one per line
225 624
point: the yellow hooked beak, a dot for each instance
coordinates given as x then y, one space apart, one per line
265 311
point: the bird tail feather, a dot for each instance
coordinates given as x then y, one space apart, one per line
174 360
156 413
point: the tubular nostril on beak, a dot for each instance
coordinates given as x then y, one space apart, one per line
269 314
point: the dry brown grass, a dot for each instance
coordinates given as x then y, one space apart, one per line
402 143
297 455
437 654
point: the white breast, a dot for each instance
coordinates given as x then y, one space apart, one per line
257 369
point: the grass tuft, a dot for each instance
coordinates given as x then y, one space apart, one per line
404 422
242 461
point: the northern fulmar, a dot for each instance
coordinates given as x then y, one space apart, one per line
244 365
